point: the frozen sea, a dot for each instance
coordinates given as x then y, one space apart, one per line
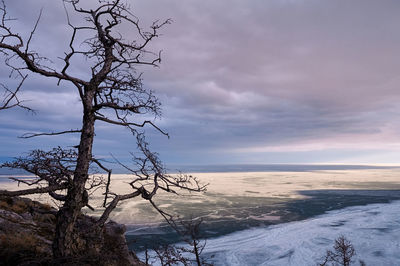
284 215
374 230
292 218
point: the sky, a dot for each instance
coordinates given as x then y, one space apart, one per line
241 82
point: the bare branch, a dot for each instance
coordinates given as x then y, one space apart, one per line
129 124
11 99
32 135
38 190
30 60
54 167
114 204
33 32
109 171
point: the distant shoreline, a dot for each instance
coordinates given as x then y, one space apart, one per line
227 168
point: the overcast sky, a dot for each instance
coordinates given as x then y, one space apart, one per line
278 81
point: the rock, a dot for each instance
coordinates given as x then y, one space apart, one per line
27 230
114 234
112 228
27 216
9 216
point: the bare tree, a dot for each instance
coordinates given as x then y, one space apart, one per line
167 254
342 254
111 93
191 235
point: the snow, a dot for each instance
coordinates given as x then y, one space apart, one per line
374 230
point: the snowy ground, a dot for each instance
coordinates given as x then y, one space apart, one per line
374 231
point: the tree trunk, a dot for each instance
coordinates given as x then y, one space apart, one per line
77 196
196 252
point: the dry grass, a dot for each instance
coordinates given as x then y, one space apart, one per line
45 206
18 206
4 205
21 248
45 218
22 205
21 241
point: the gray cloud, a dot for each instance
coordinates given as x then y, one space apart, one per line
240 75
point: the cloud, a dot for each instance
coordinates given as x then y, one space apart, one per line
245 77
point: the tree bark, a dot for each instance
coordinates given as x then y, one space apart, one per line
77 196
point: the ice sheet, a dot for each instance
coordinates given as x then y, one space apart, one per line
374 231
